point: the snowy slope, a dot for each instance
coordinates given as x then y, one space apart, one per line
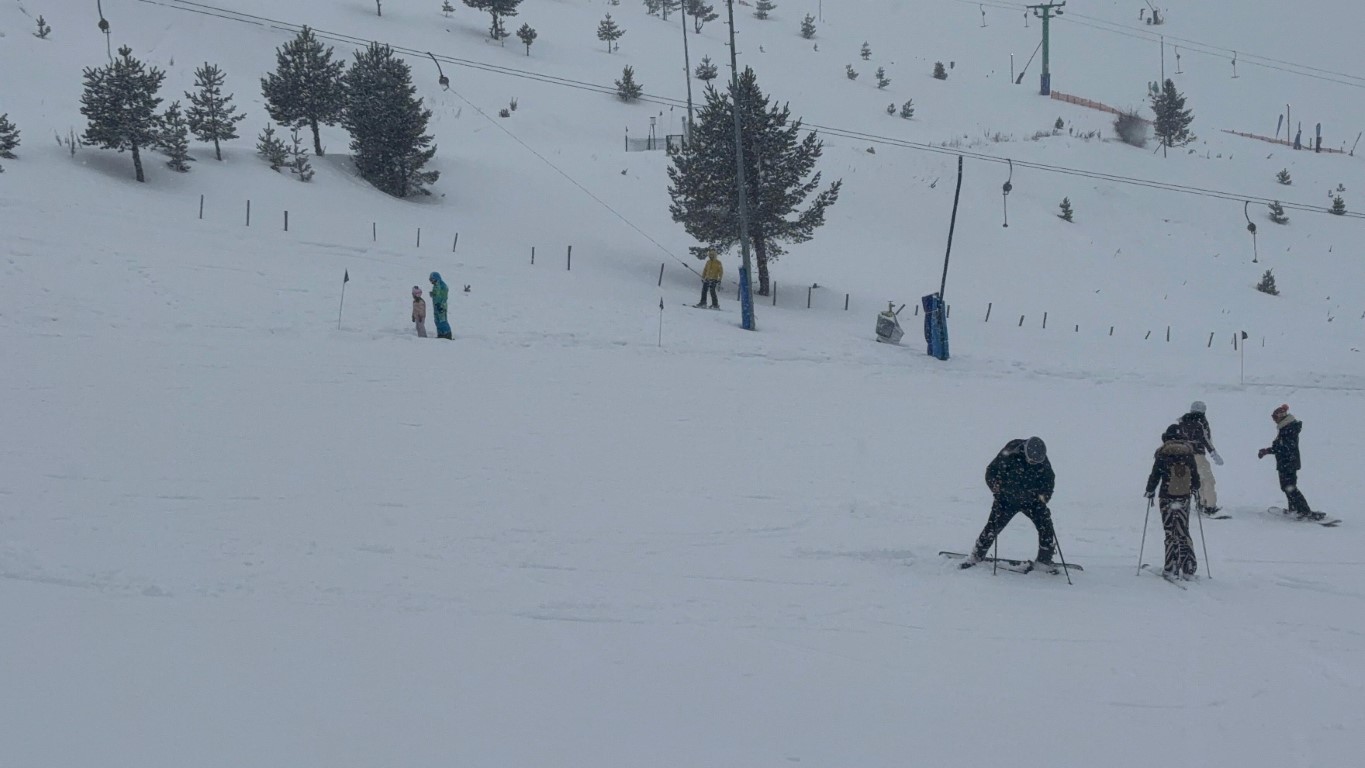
232 534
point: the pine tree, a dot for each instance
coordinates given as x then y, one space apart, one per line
706 71
891 108
778 163
808 27
271 149
882 79
305 88
447 8
627 89
1172 124
908 109
1267 284
850 72
653 7
609 33
669 5
499 10
940 73
212 116
763 7
174 140
387 123
701 12
9 137
1338 206
1066 213
1283 177
120 104
527 35
298 158
43 29
1277 213
866 51
1059 125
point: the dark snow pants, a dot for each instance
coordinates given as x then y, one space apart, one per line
1175 520
1002 511
709 286
1289 483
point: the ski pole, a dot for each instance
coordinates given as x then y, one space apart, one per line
1056 540
1143 548
1204 542
995 561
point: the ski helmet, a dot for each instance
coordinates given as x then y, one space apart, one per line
1198 407
1035 450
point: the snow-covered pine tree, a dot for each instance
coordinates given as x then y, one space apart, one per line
212 116
627 89
9 137
1059 125
174 140
866 51
908 109
763 7
447 8
1172 123
499 10
779 158
1066 213
882 79
940 72
891 108
298 157
43 29
706 71
120 105
850 72
1277 214
387 123
808 27
608 32
1338 206
527 35
701 12
1267 284
653 7
305 88
271 149
669 5
1283 177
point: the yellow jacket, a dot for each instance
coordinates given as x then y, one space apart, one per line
713 269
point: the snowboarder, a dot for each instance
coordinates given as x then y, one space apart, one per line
710 277
419 311
439 296
1021 479
1287 463
1175 470
1194 427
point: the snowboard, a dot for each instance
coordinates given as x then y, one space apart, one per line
1326 522
1009 564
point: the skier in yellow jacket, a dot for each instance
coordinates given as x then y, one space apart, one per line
710 277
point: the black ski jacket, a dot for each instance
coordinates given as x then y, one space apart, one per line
1016 482
1168 457
1286 447
1195 427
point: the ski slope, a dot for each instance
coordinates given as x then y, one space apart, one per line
590 532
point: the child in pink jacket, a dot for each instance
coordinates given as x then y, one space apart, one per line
419 311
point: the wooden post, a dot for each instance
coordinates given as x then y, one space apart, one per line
947 311
456 244
1111 330
248 213
419 237
1168 333
661 274
988 310
201 207
808 290
916 312
568 264
1210 340
1044 319
533 254
845 302
286 221
1021 321
1148 336
774 293
1078 327
374 231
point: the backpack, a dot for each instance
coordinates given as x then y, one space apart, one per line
1178 480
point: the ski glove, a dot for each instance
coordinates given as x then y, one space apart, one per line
1216 458
1261 453
1150 495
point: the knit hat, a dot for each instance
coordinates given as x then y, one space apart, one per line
1198 407
1035 451
1280 413
1172 433
416 292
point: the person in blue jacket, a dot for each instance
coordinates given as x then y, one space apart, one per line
440 295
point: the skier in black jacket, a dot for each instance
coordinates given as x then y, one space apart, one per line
1022 481
1287 461
1194 426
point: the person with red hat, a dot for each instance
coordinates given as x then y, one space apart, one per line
1287 462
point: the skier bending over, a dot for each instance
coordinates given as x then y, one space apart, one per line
1022 481
1286 450
440 294
1176 470
1194 426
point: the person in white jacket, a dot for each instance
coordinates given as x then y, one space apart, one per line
1195 428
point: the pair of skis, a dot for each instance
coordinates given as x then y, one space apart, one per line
1009 564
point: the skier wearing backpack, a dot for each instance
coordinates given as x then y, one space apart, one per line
1194 426
1175 470
1287 461
1022 481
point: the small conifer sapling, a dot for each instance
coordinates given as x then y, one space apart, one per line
527 35
1066 213
271 149
763 7
808 27
43 29
866 51
1338 206
175 139
298 157
9 137
850 72
908 109
882 79
1283 177
1267 284
1277 214
627 89
940 72
608 32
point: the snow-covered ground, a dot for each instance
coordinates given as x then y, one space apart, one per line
232 534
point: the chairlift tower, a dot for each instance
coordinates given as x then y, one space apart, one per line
1046 12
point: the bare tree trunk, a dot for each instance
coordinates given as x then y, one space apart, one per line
761 256
137 163
217 151
317 142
